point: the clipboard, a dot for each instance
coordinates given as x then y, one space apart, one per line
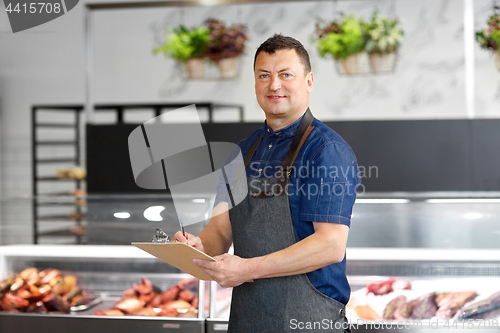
179 255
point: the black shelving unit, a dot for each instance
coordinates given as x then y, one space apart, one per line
50 199
158 108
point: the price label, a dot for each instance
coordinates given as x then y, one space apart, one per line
28 14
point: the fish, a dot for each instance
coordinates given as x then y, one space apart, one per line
425 308
449 305
170 294
366 312
47 275
54 302
40 292
148 311
405 311
174 308
29 273
37 307
143 288
186 295
129 305
13 302
381 288
75 291
392 306
475 310
5 284
109 312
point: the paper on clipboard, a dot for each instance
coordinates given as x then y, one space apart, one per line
179 255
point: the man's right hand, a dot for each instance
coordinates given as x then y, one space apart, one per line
190 240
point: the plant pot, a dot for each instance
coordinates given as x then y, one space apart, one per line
350 65
228 66
497 59
382 62
195 68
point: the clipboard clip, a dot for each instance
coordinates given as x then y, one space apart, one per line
160 237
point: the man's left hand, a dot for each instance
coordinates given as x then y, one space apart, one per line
229 270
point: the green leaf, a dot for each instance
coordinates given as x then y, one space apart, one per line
342 45
183 43
383 34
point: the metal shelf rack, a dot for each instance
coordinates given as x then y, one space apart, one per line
39 199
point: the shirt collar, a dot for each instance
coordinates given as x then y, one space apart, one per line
287 131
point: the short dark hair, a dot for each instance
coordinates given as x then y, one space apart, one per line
280 42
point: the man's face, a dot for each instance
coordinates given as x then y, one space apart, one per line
281 86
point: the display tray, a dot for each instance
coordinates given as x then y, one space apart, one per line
484 287
103 301
85 321
52 323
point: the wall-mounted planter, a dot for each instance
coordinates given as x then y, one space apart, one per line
228 67
365 64
360 47
209 51
350 65
489 39
207 69
195 68
381 63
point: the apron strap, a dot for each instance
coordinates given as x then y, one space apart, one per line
298 139
246 161
252 150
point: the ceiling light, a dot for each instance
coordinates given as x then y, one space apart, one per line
466 200
473 216
121 215
382 201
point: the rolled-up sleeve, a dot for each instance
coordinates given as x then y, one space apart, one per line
329 189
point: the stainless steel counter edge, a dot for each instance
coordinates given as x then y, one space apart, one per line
353 254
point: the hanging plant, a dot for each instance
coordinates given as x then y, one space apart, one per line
213 41
186 45
490 38
225 45
384 38
344 41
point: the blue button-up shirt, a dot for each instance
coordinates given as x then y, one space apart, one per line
322 187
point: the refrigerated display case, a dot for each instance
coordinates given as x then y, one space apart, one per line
440 242
106 272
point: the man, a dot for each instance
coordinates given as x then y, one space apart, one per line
290 233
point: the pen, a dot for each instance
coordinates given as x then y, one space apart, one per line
182 227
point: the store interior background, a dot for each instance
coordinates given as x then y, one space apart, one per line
46 65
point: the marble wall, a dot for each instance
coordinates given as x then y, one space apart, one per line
487 77
428 83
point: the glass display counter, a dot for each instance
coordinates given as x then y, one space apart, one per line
129 291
